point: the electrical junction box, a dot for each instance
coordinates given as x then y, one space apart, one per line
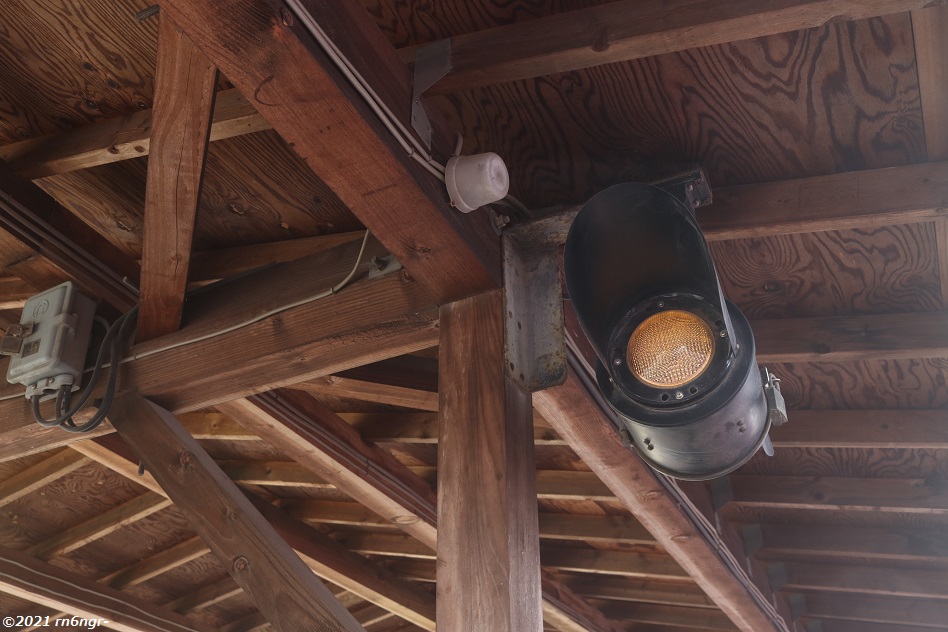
53 352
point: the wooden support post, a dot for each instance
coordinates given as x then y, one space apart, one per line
42 583
488 543
278 581
184 100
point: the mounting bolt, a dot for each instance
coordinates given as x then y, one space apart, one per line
679 395
286 17
241 564
378 263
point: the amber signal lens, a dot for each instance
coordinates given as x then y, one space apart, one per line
670 349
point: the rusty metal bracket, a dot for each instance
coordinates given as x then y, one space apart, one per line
432 62
535 338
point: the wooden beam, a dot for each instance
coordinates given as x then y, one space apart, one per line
831 625
350 388
848 338
99 526
333 562
891 610
206 596
864 429
161 562
36 476
316 438
300 92
14 292
647 591
859 199
28 578
367 321
307 431
44 244
832 493
664 615
184 100
280 584
576 416
327 558
622 529
632 29
421 428
120 138
866 580
782 541
226 262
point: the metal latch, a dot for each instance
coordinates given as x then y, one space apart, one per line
776 406
12 342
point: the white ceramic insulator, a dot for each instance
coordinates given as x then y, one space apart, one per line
474 181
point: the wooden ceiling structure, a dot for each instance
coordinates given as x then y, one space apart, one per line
370 438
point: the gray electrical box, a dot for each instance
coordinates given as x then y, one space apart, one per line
54 337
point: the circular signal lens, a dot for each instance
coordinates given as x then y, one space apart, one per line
670 349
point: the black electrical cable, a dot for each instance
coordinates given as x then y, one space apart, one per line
65 409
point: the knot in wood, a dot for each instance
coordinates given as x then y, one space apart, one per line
241 564
185 459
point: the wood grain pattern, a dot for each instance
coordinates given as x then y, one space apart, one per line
334 134
849 338
895 610
580 421
800 104
877 384
867 271
488 543
32 478
97 62
181 125
865 429
625 31
900 495
897 582
283 588
867 199
121 138
56 588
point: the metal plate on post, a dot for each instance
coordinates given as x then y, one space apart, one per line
534 337
432 62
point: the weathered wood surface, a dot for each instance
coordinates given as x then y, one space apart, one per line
338 332
63 590
44 244
488 542
121 138
278 581
624 31
578 419
184 100
298 91
799 104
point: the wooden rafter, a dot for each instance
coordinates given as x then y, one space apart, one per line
632 29
184 100
64 591
850 543
368 321
46 471
298 90
575 416
44 244
327 558
280 584
308 432
121 138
